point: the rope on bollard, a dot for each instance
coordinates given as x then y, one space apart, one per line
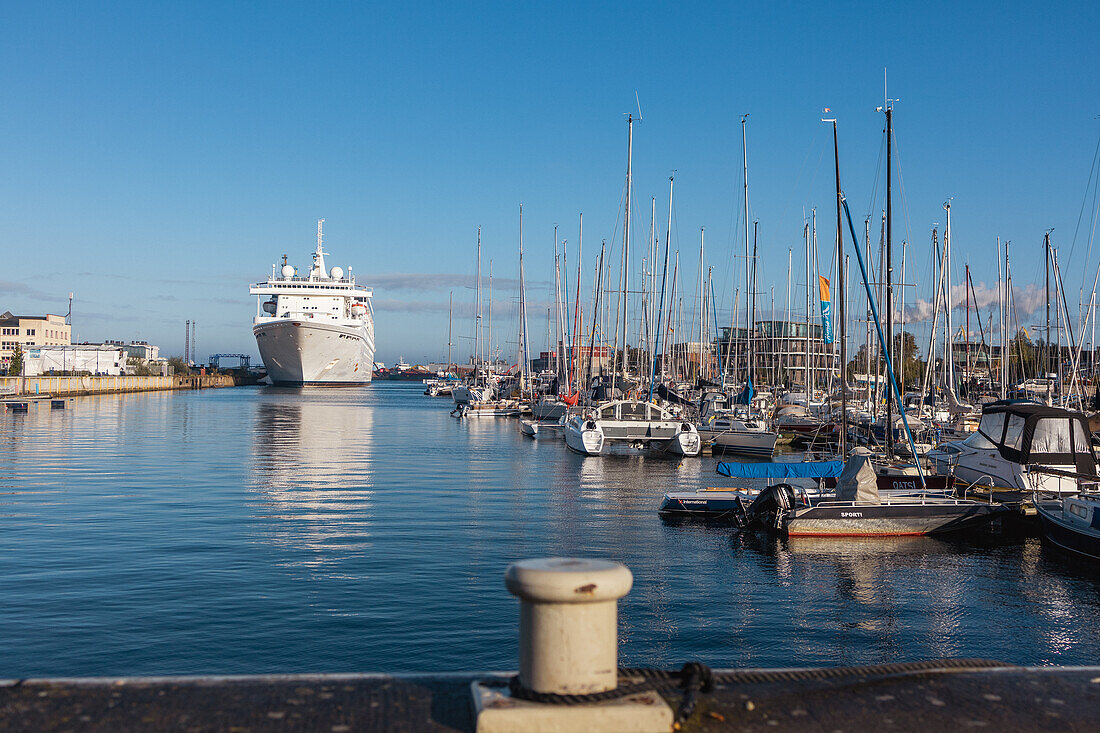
695 678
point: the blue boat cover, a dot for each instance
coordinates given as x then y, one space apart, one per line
805 469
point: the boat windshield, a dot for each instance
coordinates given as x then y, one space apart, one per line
979 441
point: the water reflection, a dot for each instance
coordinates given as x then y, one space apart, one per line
312 465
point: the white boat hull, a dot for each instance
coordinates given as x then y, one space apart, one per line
744 442
298 352
590 437
980 467
584 436
464 394
685 443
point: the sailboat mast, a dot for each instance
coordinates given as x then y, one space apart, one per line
651 283
806 353
787 324
477 317
901 309
1046 291
948 336
558 315
967 375
889 267
576 309
1000 319
843 330
595 316
699 299
752 348
450 318
748 276
523 352
489 333
624 276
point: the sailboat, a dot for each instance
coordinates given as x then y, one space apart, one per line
478 395
631 422
734 430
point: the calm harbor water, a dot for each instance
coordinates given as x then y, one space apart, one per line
256 530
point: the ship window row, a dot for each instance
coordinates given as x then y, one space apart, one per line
308 286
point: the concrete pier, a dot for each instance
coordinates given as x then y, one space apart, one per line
1002 699
76 386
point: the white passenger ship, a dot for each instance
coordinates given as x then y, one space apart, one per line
314 330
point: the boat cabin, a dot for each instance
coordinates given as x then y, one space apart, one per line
634 410
1030 433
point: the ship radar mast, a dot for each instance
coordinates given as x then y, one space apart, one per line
319 256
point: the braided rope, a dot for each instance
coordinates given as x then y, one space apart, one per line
694 678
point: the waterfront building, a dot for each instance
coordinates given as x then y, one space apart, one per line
95 359
31 331
693 359
781 350
144 351
599 356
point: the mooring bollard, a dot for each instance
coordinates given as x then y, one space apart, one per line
568 645
568 622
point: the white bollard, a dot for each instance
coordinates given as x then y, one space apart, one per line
568 622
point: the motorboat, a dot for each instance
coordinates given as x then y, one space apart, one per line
1022 446
472 393
861 510
440 386
634 423
717 504
1072 523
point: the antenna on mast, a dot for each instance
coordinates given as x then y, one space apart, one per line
69 315
887 103
638 102
319 256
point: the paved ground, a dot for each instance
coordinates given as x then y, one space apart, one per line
1004 699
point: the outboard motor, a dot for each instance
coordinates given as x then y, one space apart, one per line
770 509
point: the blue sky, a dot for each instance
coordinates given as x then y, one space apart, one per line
158 157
